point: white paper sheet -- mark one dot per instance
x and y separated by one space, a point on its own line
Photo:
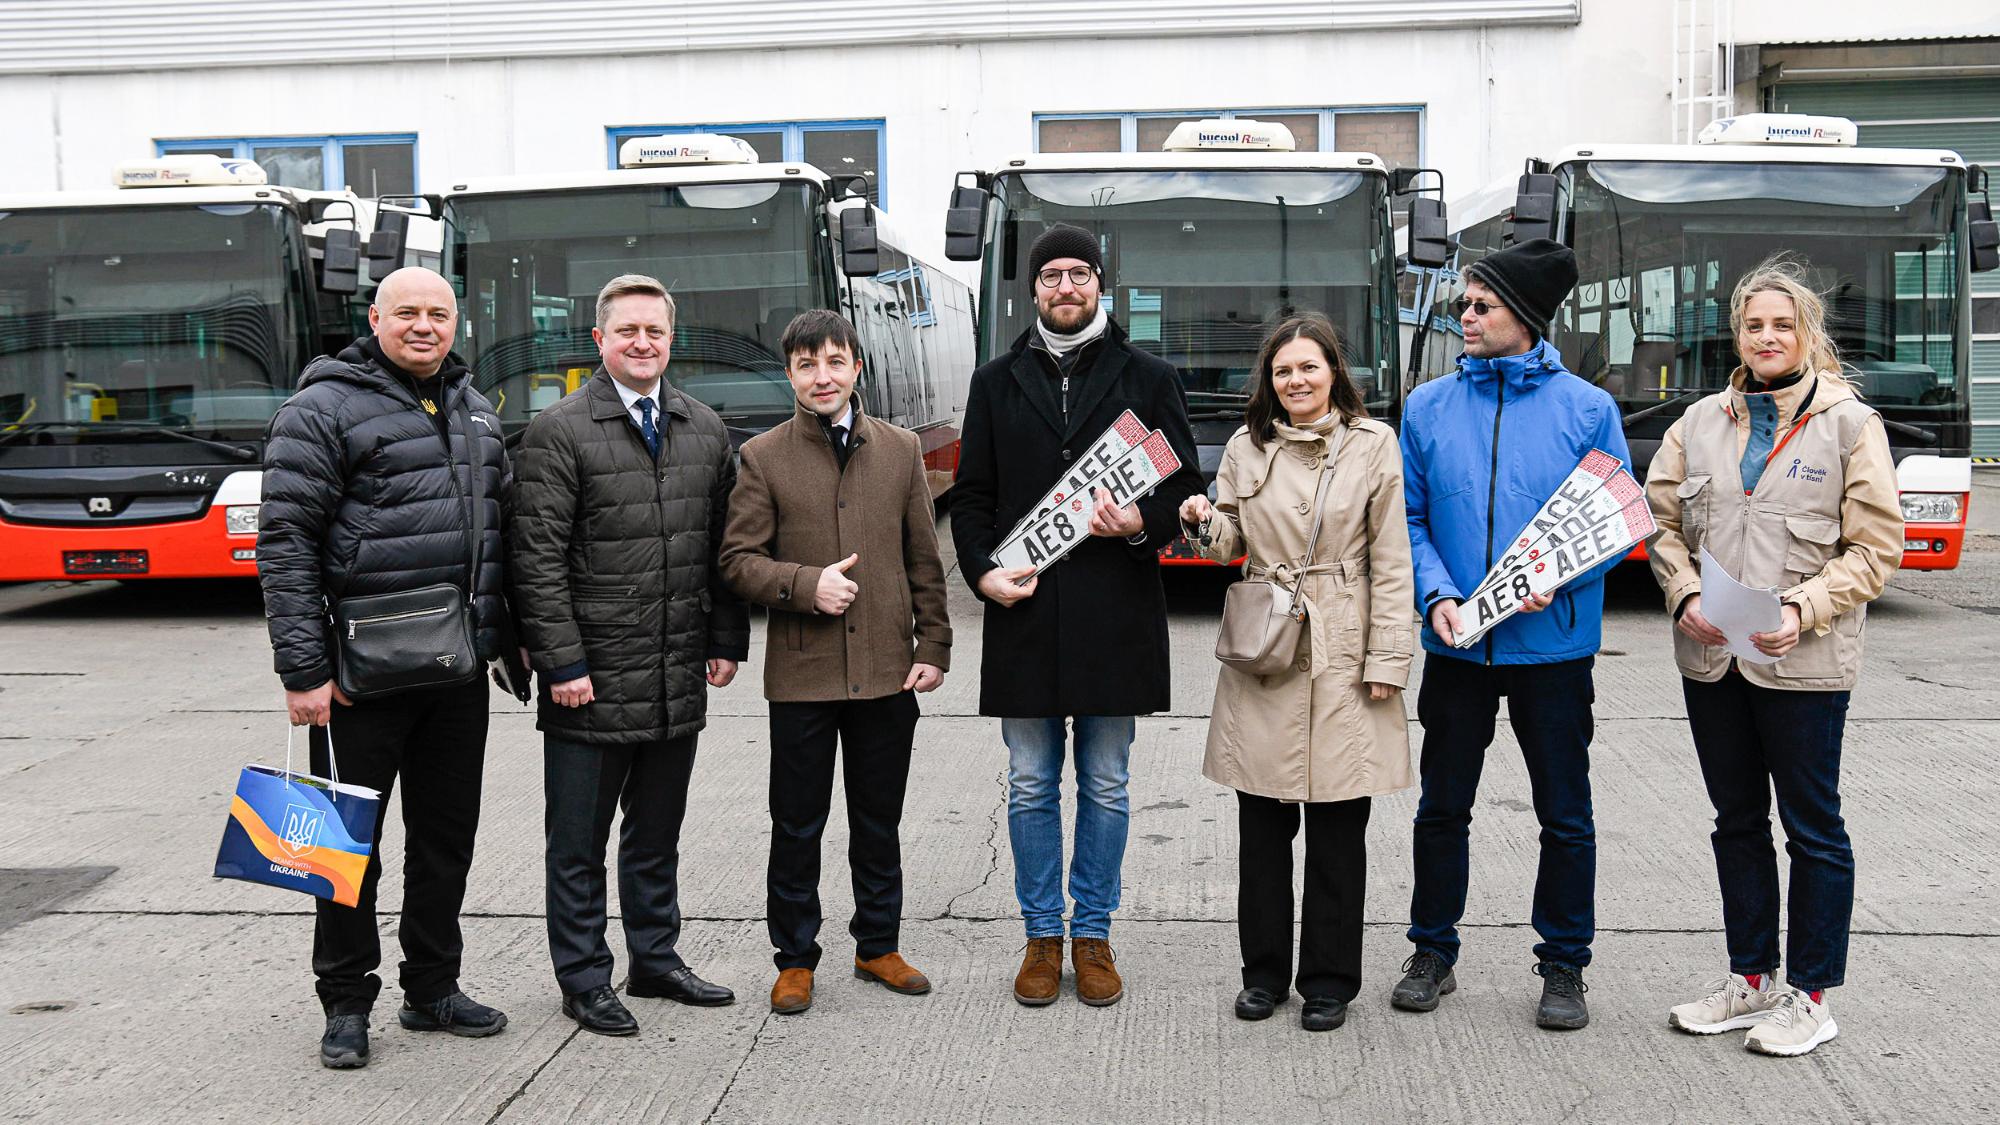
1737 610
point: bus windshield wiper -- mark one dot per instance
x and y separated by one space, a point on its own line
21 429
1904 428
1648 412
1216 404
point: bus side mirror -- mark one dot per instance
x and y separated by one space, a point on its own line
1984 234
860 252
1430 240
340 266
385 245
850 186
965 224
1534 209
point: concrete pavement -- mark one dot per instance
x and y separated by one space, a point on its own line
134 987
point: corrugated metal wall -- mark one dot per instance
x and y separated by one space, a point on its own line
39 36
1961 114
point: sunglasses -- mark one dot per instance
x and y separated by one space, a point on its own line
1483 308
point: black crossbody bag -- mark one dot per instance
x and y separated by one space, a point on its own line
423 638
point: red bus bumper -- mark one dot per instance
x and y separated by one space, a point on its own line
185 549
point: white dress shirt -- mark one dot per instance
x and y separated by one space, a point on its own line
631 399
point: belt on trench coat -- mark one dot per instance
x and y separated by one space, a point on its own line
1318 627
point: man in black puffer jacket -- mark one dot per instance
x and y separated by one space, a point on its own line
623 497
368 490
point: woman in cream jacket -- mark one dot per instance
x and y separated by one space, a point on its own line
1786 480
1326 735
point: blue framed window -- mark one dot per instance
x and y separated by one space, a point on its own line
834 147
372 164
1395 133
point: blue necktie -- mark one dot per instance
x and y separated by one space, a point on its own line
647 429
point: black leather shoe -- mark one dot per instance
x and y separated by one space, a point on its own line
345 1044
1323 1013
1255 1003
457 1013
599 1011
1427 978
1562 1007
681 986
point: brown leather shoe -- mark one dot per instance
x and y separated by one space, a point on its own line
1097 981
894 973
1040 979
793 992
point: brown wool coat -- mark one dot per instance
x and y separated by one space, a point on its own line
1310 733
794 513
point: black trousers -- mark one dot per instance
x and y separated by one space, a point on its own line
584 785
435 743
875 737
1336 891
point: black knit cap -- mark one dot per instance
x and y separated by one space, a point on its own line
1064 241
1531 278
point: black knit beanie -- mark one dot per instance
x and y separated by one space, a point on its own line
1530 278
1064 241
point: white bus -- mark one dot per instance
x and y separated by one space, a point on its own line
1662 233
1206 246
743 246
147 334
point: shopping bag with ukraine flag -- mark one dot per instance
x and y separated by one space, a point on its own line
300 832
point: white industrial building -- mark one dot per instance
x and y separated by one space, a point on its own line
393 98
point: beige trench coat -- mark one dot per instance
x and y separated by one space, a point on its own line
1310 733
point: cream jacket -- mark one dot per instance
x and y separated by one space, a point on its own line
1824 525
1311 733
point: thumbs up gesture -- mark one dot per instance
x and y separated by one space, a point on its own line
836 590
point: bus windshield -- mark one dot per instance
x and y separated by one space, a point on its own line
1661 245
741 260
120 319
1199 264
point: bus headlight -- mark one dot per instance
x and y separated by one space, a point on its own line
240 519
1931 507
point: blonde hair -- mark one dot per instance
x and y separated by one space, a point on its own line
629 284
1785 274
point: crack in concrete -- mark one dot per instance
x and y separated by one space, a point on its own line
996 819
500 1110
756 1040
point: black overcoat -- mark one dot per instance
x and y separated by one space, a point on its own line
1093 638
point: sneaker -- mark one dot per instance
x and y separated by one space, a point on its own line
1795 1025
1562 1007
345 1044
1427 978
1732 1003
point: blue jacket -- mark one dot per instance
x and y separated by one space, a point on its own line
1482 449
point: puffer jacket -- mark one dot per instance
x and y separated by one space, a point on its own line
363 496
1482 449
615 564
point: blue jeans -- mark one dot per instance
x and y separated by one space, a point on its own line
1752 740
1548 706
1034 819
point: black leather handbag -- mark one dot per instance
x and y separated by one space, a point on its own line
422 638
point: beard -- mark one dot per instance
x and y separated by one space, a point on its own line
1067 318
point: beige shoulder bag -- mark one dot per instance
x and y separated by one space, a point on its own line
1262 618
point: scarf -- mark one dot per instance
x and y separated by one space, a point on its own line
1061 343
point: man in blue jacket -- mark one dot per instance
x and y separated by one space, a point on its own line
1482 449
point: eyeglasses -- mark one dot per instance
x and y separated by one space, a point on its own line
1483 308
1079 276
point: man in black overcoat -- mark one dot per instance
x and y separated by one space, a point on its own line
1085 639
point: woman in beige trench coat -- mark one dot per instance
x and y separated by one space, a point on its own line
1328 734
